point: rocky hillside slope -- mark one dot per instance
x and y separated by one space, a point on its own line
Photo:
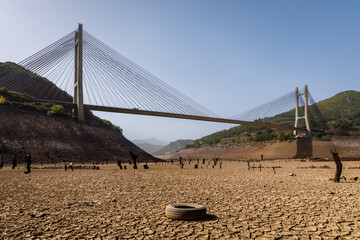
338 115
16 78
347 147
27 128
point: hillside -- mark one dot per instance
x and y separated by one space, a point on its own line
51 135
174 147
339 115
16 78
48 131
347 147
340 112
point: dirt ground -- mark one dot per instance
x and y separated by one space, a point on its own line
347 147
129 204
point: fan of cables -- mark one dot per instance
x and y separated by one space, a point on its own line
109 79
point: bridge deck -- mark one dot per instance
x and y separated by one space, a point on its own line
172 115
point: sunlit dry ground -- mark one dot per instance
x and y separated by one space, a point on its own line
112 203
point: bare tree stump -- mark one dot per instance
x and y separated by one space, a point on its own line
181 162
338 163
216 160
119 164
133 157
2 161
146 166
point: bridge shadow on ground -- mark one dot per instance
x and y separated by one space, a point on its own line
304 148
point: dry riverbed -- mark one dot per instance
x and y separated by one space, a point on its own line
129 204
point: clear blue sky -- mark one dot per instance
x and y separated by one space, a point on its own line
229 56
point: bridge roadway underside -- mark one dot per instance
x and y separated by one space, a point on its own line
172 115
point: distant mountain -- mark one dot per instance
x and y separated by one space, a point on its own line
149 148
338 115
174 146
152 141
150 145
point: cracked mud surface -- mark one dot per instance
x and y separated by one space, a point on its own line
129 204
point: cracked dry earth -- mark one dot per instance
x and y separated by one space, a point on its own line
129 204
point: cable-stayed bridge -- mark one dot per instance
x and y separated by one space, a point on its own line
93 76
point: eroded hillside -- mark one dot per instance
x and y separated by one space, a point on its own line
26 127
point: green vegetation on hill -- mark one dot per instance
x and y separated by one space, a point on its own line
338 115
241 134
341 111
29 83
27 102
10 72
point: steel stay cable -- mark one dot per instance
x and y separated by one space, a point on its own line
41 53
48 63
116 82
117 71
158 80
58 74
96 83
96 66
88 84
51 55
98 71
106 67
58 42
101 70
254 111
53 74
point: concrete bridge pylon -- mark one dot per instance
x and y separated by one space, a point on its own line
306 107
78 98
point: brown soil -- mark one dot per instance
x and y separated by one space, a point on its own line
129 204
55 139
348 148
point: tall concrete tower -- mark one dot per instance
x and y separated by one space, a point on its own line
78 80
305 117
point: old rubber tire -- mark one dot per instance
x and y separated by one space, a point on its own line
185 211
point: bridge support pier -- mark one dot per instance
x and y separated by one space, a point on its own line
305 117
78 80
